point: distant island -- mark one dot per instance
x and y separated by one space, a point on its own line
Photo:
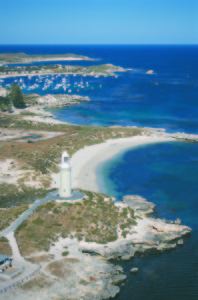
25 58
99 70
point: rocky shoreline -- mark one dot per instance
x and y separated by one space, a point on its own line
149 233
36 110
60 100
87 272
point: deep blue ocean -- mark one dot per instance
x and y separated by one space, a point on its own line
164 173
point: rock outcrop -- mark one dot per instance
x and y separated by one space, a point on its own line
49 101
140 205
149 233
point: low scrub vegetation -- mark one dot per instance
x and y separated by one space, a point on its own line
94 220
11 195
5 247
43 156
10 215
65 253
38 283
61 268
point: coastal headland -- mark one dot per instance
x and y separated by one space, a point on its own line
104 236
58 69
25 58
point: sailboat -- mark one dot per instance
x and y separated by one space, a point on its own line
82 86
68 82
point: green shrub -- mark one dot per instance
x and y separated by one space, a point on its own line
56 224
56 210
38 221
48 205
84 282
65 253
78 204
24 168
21 226
66 204
124 233
123 226
64 234
124 213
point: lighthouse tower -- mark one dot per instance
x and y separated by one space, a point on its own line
65 176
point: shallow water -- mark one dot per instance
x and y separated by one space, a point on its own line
32 137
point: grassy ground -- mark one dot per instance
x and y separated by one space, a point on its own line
45 152
38 283
96 219
9 215
4 246
11 195
30 99
42 258
60 268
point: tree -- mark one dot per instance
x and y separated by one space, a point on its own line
4 100
9 108
16 96
4 103
3 107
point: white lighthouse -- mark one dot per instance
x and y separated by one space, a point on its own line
65 176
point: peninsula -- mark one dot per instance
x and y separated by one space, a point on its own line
25 58
33 105
96 70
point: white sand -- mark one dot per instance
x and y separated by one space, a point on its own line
43 120
10 171
85 161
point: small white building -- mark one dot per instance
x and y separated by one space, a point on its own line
65 176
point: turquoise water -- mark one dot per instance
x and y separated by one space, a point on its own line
167 175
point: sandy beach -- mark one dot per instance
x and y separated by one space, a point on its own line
85 161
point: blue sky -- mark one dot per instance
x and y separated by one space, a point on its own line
98 21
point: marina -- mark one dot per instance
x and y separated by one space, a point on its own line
52 84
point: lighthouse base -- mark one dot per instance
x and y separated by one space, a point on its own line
75 196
